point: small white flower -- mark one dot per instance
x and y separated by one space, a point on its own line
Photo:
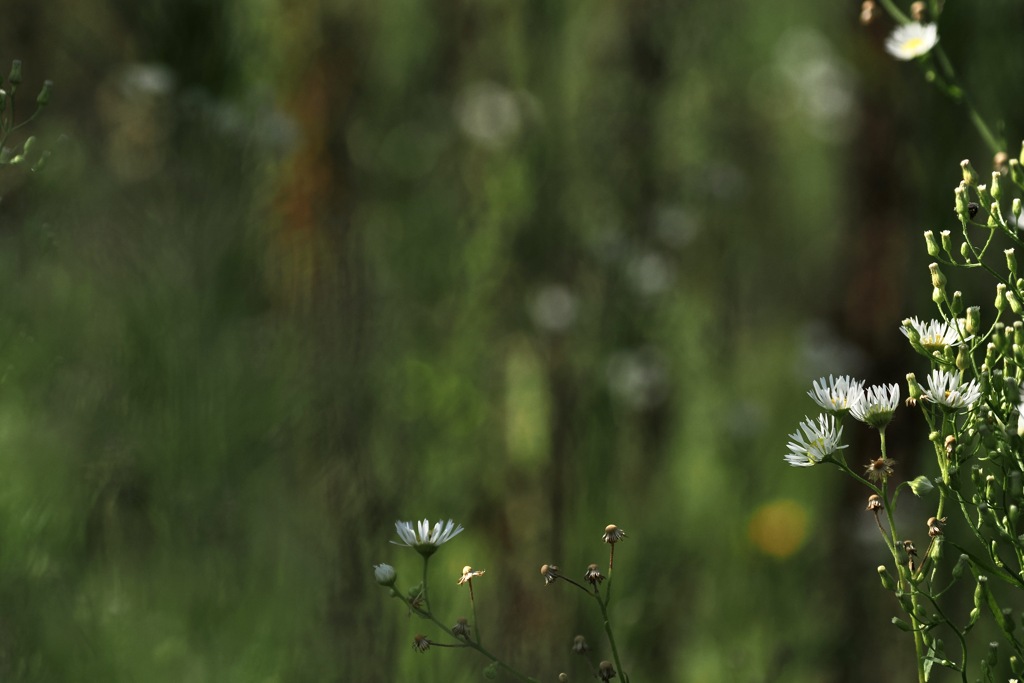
877 405
814 441
837 395
425 540
935 335
948 390
912 40
384 574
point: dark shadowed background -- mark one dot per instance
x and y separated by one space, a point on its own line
300 269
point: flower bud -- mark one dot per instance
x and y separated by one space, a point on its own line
960 202
1016 208
919 11
956 304
1000 297
965 252
902 625
995 216
973 323
15 76
938 295
1011 261
384 574
1014 302
43 98
970 175
3 99
938 279
947 243
995 188
887 581
961 564
930 243
914 390
921 486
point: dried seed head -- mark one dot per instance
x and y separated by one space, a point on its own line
549 572
593 575
613 534
880 469
420 643
874 502
579 645
919 11
605 670
935 526
908 547
563 678
461 628
1001 162
468 574
868 12
950 444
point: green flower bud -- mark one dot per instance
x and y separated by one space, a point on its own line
3 99
996 188
1014 302
993 654
15 77
938 295
947 243
963 360
30 143
1000 297
1011 261
1015 207
921 486
938 279
887 581
960 202
44 95
980 590
973 323
930 243
914 390
1016 172
970 175
902 625
995 216
384 574
1021 159
956 304
961 564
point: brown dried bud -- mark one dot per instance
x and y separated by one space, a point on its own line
919 11
874 502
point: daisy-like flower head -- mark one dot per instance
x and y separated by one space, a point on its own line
934 335
424 539
949 391
468 574
837 394
814 441
877 405
912 40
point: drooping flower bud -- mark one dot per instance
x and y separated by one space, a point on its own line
15 76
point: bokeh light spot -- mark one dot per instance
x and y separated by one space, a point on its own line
778 528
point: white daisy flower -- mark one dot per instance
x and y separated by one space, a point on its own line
948 390
424 539
837 395
877 405
912 40
935 335
814 441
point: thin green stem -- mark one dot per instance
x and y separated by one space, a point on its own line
611 638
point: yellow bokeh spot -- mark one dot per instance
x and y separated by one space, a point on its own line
778 528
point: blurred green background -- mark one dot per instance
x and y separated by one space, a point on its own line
300 269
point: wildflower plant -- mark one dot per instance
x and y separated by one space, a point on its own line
426 539
25 152
969 548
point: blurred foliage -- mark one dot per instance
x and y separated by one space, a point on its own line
303 269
